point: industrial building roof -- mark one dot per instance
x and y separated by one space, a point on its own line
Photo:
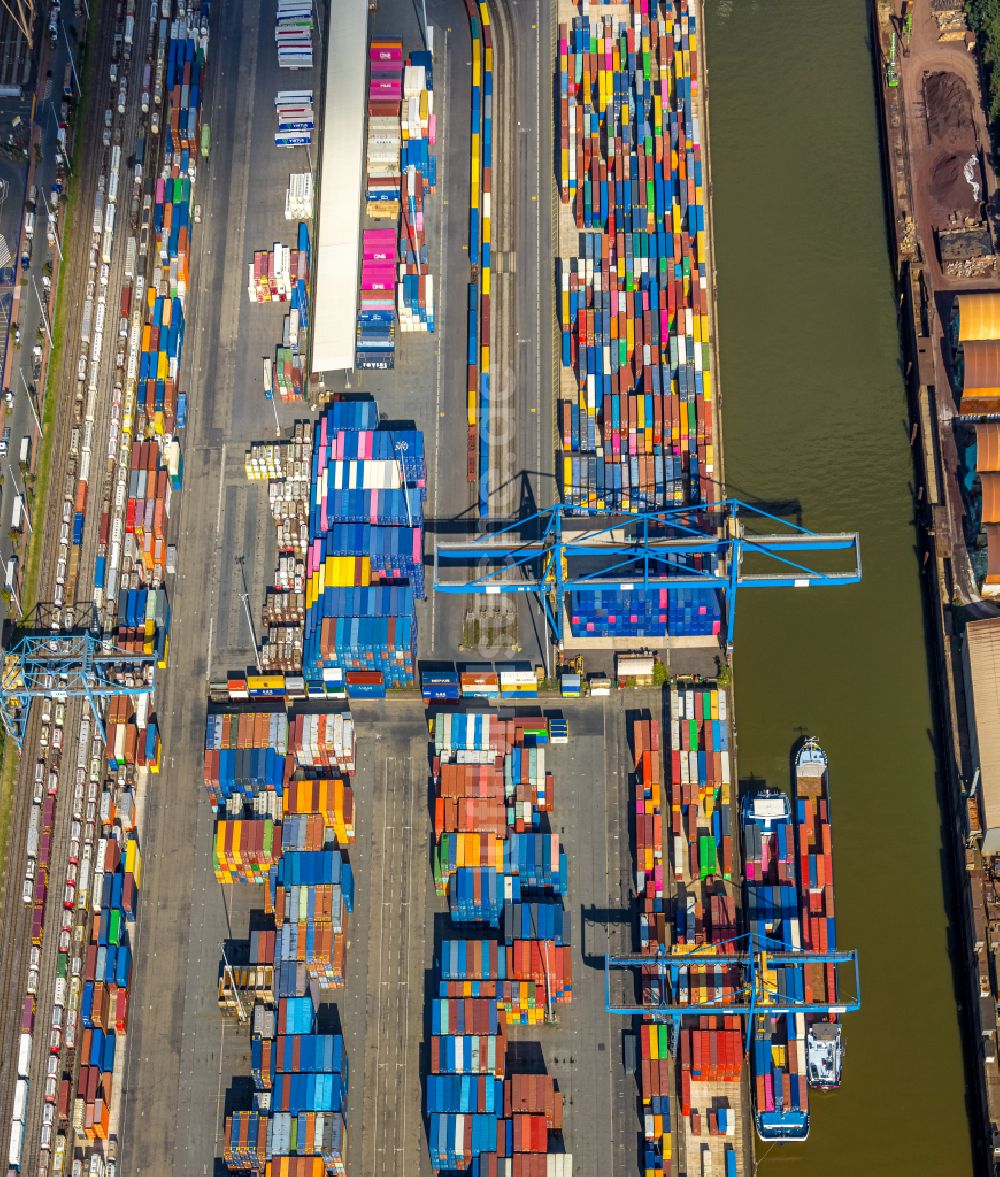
990 484
981 367
340 190
982 643
988 447
978 317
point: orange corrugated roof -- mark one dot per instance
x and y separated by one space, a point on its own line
988 448
981 368
990 483
978 317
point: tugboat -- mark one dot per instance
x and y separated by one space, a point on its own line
824 1038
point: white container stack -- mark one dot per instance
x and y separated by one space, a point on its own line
293 34
382 166
294 109
299 200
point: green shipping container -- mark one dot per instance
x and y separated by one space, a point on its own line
115 927
706 855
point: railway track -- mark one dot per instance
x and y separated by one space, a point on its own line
74 277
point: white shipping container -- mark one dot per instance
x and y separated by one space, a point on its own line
24 1056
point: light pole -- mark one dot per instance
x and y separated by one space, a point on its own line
54 223
245 598
31 402
41 308
401 447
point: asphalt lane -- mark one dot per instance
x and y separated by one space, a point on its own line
187 1065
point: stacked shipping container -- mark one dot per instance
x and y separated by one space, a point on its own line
480 237
702 860
294 109
778 1056
376 329
293 34
415 288
491 783
634 303
360 628
654 1071
300 1074
107 975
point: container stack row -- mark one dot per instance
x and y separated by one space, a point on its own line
653 1065
184 68
299 1068
154 473
275 274
293 31
159 361
361 629
634 298
384 135
701 843
415 288
296 121
376 329
107 976
480 237
701 802
490 780
132 734
134 553
299 198
656 612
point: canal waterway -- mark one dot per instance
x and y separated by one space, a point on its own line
815 414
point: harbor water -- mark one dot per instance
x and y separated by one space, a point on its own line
815 415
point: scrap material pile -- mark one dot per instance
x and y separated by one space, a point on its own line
280 788
501 869
634 299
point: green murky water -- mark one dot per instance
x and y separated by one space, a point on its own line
814 412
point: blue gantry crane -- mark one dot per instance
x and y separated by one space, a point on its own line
68 665
722 546
748 960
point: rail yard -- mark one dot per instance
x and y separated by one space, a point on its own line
377 810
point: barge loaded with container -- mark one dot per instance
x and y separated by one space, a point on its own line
824 1040
777 1054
